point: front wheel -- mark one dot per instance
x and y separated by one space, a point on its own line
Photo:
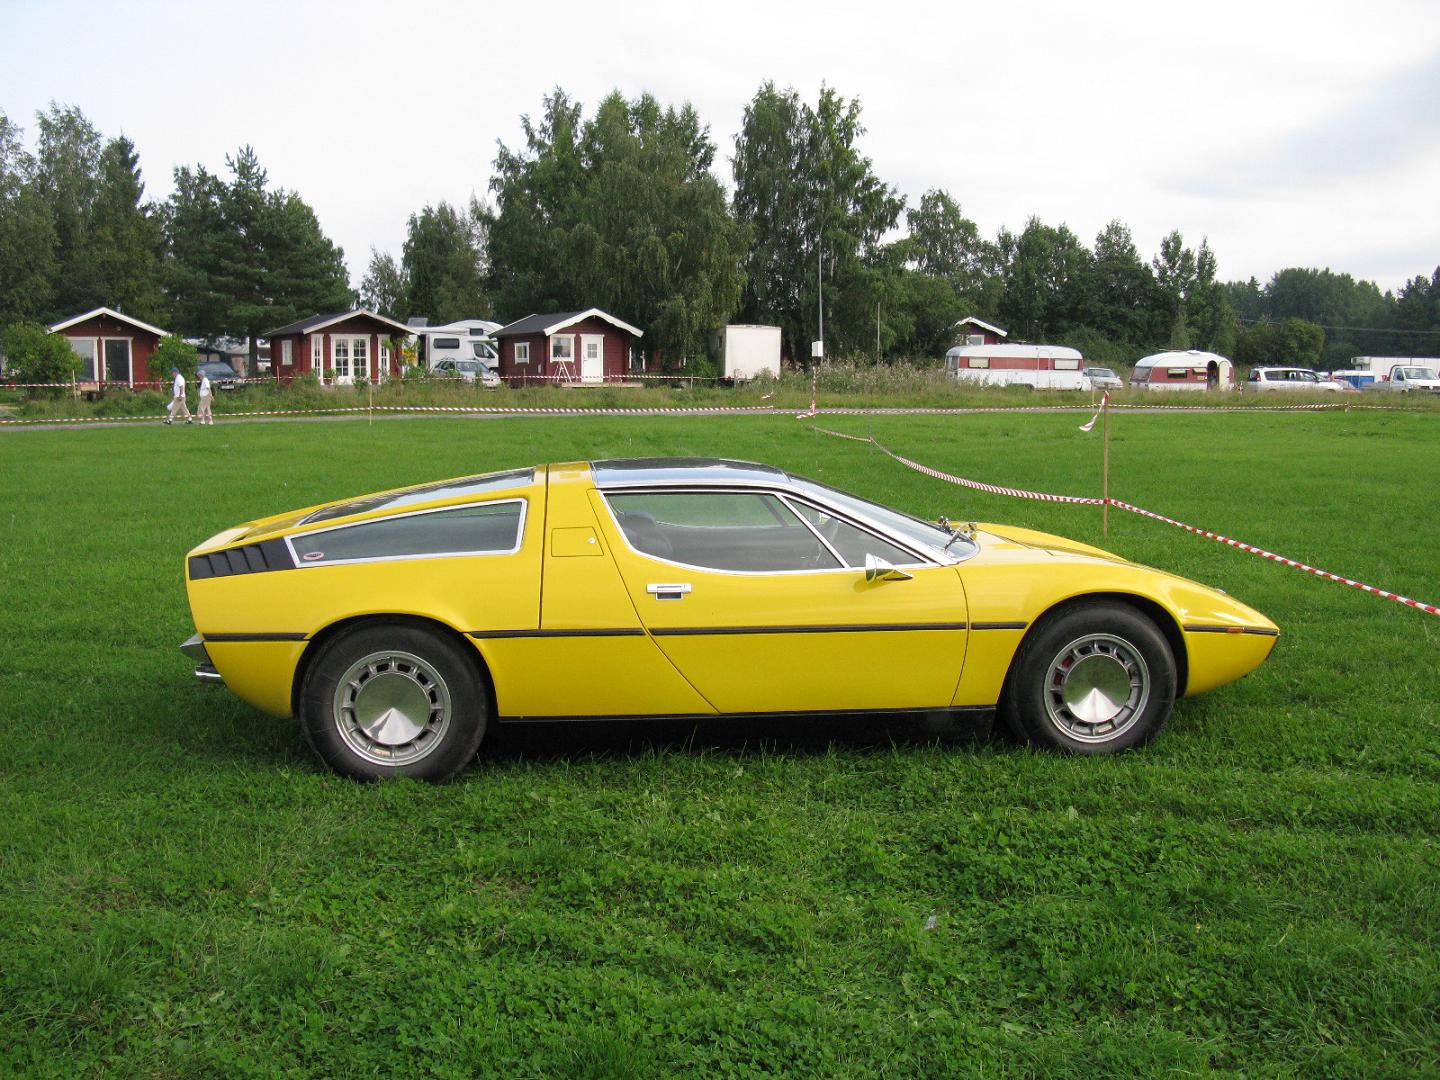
1095 679
393 700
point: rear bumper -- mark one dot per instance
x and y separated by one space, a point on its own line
194 647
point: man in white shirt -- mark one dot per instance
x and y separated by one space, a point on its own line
203 413
177 399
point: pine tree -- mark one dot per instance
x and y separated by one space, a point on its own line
243 259
125 236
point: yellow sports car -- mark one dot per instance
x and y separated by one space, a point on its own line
399 626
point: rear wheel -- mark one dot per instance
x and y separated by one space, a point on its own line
388 700
1093 680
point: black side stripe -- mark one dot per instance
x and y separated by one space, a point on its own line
254 637
1261 631
861 628
626 631
998 626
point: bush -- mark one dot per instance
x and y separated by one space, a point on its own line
173 352
131 403
1098 348
37 356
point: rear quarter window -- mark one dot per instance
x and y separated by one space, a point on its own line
484 529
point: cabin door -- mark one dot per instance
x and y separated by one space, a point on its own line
592 358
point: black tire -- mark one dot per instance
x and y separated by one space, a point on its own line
387 700
1069 676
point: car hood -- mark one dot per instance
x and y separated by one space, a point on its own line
997 538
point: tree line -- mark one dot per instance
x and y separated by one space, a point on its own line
622 210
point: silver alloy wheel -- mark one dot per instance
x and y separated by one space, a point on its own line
392 707
1096 688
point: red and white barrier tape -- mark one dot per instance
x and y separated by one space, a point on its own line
487 410
644 410
1419 605
995 489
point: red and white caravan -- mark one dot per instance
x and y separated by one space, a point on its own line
1040 367
1189 370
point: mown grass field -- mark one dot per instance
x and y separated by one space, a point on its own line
183 893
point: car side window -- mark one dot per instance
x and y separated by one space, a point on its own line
853 543
743 531
485 529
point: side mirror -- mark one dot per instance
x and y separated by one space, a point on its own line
880 570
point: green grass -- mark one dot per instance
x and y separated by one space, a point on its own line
183 893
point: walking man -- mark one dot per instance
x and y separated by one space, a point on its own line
203 413
177 399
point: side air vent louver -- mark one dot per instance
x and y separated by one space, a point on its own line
246 559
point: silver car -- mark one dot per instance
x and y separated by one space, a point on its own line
469 370
1103 378
1292 379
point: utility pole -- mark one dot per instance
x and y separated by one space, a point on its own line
820 292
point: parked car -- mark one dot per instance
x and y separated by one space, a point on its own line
1103 378
469 370
222 375
399 626
1355 378
1294 380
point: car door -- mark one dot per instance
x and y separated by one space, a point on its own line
761 602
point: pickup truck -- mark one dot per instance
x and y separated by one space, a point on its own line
1408 377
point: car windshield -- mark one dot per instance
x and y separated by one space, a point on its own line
927 536
1417 373
1100 373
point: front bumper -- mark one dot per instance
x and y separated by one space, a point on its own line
194 647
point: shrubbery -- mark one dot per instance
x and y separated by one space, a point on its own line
173 352
35 355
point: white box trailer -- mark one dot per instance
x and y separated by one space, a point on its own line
748 351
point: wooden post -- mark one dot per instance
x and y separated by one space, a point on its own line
1105 480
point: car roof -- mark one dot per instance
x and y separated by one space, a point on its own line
623 472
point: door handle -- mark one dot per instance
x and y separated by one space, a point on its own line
669 591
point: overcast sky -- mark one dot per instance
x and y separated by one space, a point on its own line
1289 133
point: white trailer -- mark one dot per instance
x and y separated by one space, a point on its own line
1039 367
749 351
1192 369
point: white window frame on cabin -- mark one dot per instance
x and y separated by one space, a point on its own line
287 351
522 352
89 364
317 352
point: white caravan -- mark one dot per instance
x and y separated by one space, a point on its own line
1039 367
